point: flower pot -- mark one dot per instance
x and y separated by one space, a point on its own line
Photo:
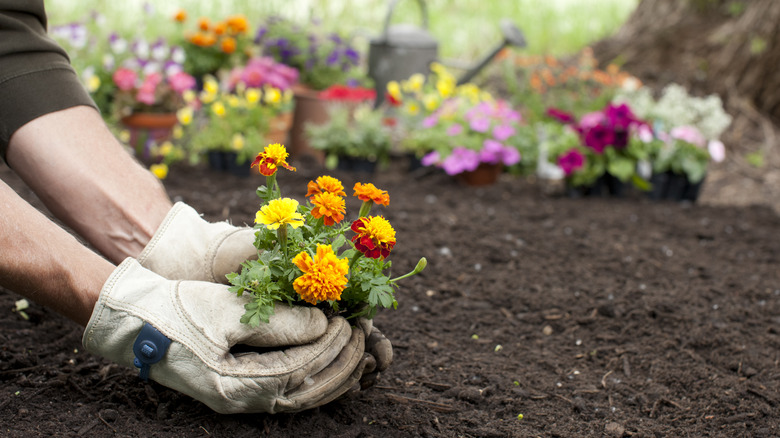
148 128
352 164
279 128
485 174
225 161
309 108
605 186
674 187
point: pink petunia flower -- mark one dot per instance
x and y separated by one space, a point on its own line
124 78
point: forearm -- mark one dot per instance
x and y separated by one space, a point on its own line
80 171
44 263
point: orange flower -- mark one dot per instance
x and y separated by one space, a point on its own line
329 207
367 192
325 183
228 45
220 28
238 24
273 156
203 23
181 16
324 277
375 236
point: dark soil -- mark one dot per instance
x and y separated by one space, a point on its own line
590 317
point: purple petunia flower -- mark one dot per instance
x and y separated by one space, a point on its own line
503 131
599 137
560 115
571 161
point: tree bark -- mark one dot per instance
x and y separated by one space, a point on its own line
711 46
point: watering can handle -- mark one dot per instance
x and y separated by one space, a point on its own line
390 10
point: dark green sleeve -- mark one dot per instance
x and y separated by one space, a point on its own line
36 77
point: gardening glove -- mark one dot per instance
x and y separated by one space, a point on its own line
307 361
187 247
380 348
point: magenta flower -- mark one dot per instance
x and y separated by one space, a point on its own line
461 160
599 137
492 152
124 78
454 129
571 161
430 159
430 121
146 92
560 115
479 124
511 156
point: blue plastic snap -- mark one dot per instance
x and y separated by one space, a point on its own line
149 348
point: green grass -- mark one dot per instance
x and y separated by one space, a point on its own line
465 29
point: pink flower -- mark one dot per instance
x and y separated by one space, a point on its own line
181 82
689 134
492 151
430 159
146 92
717 150
454 129
560 115
511 156
461 160
571 161
430 121
124 78
503 131
645 133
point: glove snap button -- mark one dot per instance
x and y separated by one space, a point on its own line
148 349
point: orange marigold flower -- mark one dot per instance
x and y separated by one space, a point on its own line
367 192
273 156
324 277
228 45
238 24
180 16
220 28
375 236
329 207
203 23
325 183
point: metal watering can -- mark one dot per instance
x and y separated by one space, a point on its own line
404 49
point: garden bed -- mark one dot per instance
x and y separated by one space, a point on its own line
590 317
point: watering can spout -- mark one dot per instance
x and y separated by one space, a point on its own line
512 37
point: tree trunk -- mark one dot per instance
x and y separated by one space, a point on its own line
727 47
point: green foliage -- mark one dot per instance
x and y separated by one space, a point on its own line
352 130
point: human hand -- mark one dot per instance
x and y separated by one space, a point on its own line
308 359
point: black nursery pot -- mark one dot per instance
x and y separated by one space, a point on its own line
669 186
226 162
352 164
605 186
217 160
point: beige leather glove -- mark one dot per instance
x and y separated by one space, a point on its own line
309 360
187 247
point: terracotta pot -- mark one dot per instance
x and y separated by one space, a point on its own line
146 128
485 174
309 108
279 128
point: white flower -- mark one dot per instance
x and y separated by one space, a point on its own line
717 150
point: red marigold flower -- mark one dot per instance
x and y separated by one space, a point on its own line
273 156
375 236
329 207
367 192
327 184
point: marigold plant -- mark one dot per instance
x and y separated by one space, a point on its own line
308 254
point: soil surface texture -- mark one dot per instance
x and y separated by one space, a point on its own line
538 315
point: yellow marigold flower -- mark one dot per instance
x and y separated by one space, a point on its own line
416 82
273 156
93 83
394 90
237 142
329 207
375 236
211 85
185 115
233 101
166 148
445 87
189 96
253 95
219 109
124 136
325 183
438 68
272 95
159 170
412 108
324 277
279 212
178 132
431 102
368 192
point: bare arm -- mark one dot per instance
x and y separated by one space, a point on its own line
84 177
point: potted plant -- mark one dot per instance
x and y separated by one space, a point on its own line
461 129
686 131
231 127
323 59
600 152
354 138
214 45
308 254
